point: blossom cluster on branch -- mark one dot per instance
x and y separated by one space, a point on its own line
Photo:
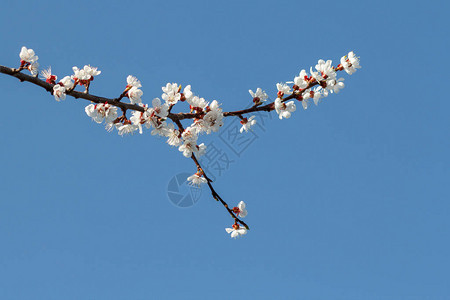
206 117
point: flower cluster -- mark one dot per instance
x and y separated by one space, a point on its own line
59 89
101 112
237 230
83 76
132 90
206 117
350 63
28 60
152 117
171 93
323 75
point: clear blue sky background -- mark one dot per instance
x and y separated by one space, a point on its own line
348 200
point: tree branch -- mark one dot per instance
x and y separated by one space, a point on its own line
208 181
176 118
49 88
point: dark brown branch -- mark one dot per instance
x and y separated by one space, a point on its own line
49 88
116 101
216 195
208 181
268 107
23 77
176 118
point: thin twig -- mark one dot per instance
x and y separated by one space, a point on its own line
215 195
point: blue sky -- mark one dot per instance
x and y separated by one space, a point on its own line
347 200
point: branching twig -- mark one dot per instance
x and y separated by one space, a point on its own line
78 95
209 182
196 114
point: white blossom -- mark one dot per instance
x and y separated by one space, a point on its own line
109 112
320 92
314 94
213 118
171 93
189 142
28 55
110 126
190 133
92 71
199 126
259 96
48 76
334 86
188 147
161 110
201 149
240 210
316 75
137 119
133 81
153 121
350 63
147 118
127 128
243 210
150 119
283 89
160 129
354 60
135 94
302 80
196 101
247 124
236 231
338 85
87 73
67 82
59 92
101 111
34 68
197 179
188 93
173 135
59 89
79 74
324 71
91 111
284 110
